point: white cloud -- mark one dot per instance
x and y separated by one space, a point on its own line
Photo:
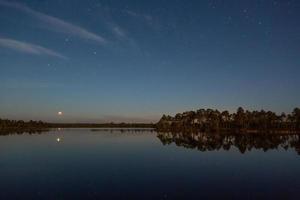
142 16
56 24
119 32
28 48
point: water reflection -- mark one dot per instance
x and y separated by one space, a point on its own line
127 164
123 130
104 130
200 141
21 132
244 143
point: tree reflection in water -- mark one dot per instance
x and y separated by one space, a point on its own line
23 131
244 142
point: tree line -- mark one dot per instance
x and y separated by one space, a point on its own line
6 124
10 126
209 120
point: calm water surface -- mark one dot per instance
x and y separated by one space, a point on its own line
85 164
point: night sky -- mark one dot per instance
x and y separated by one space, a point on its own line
132 61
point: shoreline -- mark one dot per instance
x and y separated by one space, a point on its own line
186 131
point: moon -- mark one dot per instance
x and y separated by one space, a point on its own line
60 113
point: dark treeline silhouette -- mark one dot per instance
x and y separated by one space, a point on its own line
209 120
243 142
9 126
203 120
19 126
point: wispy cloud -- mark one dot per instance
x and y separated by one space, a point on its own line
118 31
28 48
138 15
56 24
123 37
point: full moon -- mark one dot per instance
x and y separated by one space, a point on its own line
60 113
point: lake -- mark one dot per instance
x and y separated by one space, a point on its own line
144 164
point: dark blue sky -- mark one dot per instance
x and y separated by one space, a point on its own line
134 60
